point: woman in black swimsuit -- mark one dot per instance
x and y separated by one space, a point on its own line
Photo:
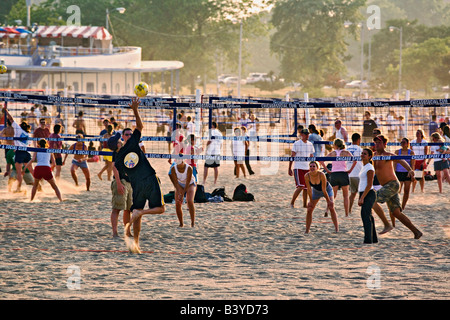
317 187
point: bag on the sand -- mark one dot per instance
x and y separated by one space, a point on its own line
169 197
221 192
240 194
200 195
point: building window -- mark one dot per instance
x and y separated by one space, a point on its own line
90 87
104 88
75 86
117 88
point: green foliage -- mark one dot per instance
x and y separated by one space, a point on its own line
424 64
423 55
310 37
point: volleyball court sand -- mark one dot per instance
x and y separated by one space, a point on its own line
238 250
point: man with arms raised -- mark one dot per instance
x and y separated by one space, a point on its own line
384 170
131 160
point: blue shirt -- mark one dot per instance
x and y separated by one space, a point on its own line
317 147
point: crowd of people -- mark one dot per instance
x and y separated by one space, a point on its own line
376 181
134 181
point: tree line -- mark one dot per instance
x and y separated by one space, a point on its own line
308 37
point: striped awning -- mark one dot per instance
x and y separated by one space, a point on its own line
99 33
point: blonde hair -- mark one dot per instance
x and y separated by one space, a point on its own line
316 163
437 136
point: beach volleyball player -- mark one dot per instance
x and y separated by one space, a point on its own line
131 160
301 148
384 169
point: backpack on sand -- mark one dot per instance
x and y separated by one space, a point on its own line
240 194
221 192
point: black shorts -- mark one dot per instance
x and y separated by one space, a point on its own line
58 160
22 156
440 165
340 179
212 163
402 176
147 189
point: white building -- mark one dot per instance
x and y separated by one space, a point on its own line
79 59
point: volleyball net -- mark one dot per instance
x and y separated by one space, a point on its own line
271 125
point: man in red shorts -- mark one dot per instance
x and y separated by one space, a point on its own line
301 148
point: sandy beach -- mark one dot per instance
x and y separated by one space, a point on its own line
238 250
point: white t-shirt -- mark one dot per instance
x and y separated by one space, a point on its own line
251 125
43 159
238 148
302 149
363 177
355 150
418 150
190 128
434 150
215 147
19 132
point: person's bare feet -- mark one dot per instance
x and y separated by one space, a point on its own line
386 229
418 234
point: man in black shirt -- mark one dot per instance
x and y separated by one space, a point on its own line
146 185
368 126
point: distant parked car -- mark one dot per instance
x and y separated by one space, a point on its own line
222 77
257 76
356 84
233 80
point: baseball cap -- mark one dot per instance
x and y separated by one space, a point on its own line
304 131
381 137
112 142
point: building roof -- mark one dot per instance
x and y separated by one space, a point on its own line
145 66
99 33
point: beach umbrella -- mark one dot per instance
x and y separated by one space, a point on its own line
10 30
23 30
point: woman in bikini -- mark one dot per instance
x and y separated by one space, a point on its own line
318 187
79 161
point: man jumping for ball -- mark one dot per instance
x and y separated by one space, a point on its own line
131 160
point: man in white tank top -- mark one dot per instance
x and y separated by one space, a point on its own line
339 131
